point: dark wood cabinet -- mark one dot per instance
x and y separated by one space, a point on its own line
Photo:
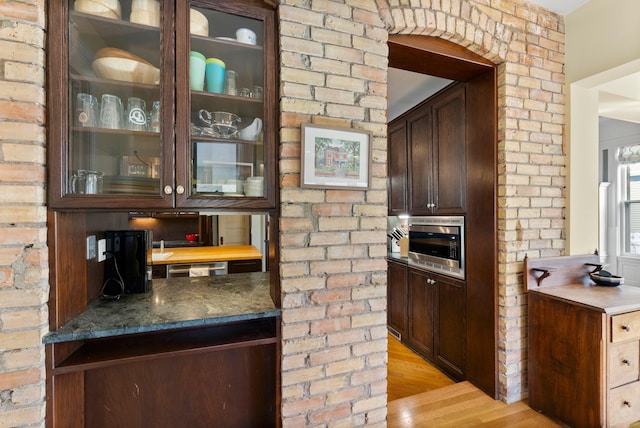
450 326
182 377
179 159
397 167
420 162
435 316
427 158
397 295
241 266
448 159
584 344
422 307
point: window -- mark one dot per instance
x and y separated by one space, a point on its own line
631 209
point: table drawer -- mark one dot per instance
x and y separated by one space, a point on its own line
624 405
624 359
625 327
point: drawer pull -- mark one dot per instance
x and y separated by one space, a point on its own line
625 327
626 403
625 361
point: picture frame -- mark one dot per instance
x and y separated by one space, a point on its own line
335 158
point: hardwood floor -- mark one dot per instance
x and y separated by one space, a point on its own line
420 395
409 374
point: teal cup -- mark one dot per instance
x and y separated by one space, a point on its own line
215 75
196 71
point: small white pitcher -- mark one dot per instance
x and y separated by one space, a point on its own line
252 131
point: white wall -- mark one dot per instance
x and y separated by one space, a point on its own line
601 35
602 44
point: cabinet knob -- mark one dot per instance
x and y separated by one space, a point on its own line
627 403
625 327
625 361
179 190
168 190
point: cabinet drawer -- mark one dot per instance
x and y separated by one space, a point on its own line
624 359
624 405
625 327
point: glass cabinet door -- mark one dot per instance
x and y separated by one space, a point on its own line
225 78
116 110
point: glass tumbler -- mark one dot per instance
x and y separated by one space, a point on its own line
86 110
231 82
111 112
136 114
154 123
257 92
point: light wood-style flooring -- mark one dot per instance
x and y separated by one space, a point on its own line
421 396
409 374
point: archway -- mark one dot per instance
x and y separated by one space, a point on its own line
441 58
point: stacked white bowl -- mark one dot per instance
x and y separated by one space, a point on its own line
106 8
145 12
254 186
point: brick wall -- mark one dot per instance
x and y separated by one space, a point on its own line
23 252
333 314
334 59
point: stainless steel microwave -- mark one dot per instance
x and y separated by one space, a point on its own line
436 243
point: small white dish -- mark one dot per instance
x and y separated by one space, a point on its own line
246 36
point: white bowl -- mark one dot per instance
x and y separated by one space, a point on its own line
148 5
116 64
105 8
145 17
198 23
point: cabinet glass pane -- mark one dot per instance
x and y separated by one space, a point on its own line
114 92
226 79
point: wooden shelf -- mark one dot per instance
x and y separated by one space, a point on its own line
117 350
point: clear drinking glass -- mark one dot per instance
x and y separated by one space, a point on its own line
231 83
136 114
111 112
86 110
154 124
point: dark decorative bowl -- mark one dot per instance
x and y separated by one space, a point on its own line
606 280
192 237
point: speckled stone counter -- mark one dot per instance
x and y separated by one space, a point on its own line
395 257
174 303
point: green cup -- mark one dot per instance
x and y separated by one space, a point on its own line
196 71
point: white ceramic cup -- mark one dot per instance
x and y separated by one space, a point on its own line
244 35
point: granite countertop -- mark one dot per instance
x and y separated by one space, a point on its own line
174 303
396 257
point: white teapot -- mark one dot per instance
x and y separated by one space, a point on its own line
252 131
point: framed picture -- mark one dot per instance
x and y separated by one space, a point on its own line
335 158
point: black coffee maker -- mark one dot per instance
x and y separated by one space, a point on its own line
125 270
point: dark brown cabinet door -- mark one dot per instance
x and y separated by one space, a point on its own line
448 151
225 134
427 156
397 164
450 326
421 312
420 164
397 293
125 140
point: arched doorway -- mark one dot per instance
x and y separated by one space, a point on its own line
441 58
